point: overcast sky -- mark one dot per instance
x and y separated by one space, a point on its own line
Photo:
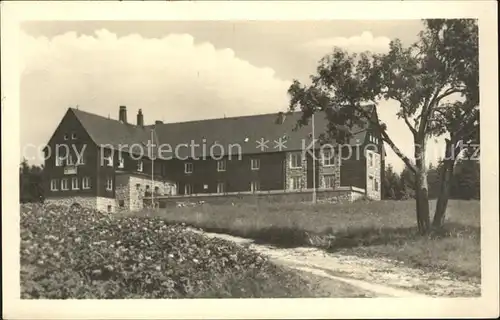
177 71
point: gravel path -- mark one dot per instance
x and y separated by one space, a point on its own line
382 277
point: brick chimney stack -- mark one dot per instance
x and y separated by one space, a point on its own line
122 116
140 118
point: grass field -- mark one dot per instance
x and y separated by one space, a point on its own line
382 228
94 256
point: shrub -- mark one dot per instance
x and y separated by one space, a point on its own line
93 255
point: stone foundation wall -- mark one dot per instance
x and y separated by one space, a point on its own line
106 204
333 169
95 203
342 194
130 190
357 195
86 202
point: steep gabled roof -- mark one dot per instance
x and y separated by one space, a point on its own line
234 134
105 131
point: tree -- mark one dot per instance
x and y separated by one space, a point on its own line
466 180
30 182
441 64
406 184
390 184
434 179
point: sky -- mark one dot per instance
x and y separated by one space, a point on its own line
180 71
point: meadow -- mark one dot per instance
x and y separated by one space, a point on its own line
153 254
374 229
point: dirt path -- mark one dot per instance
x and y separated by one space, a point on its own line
382 277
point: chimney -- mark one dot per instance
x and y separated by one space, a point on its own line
158 122
122 116
140 118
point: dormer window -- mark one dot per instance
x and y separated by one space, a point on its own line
66 137
139 166
73 135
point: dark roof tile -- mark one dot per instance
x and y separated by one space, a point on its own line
235 134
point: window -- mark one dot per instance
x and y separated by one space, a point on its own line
53 185
327 158
121 162
59 161
188 167
221 165
221 187
138 186
329 181
139 166
376 185
296 183
371 183
86 183
109 184
255 164
254 186
370 159
80 159
110 208
64 184
157 190
74 183
187 189
121 203
73 135
296 160
66 136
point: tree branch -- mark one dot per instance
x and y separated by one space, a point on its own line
448 92
396 150
405 117
387 139
467 125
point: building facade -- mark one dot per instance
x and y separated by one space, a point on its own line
113 165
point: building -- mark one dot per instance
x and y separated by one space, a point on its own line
111 164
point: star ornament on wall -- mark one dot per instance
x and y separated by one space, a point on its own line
262 144
280 144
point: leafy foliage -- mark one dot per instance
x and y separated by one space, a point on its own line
442 65
88 255
465 182
31 183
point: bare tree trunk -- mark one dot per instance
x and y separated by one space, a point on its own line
446 174
422 190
